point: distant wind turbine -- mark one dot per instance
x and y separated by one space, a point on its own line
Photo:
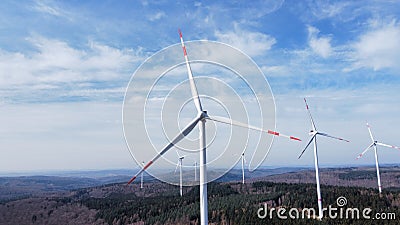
200 119
374 144
313 133
179 164
141 178
243 163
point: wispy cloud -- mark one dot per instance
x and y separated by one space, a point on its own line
258 8
320 45
46 8
156 16
55 63
52 8
327 9
379 47
252 43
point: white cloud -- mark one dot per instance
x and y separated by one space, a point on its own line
55 62
53 9
252 43
379 47
257 8
326 9
157 16
45 8
320 45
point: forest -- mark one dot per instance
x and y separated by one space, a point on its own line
237 203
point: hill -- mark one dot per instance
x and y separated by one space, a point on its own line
230 202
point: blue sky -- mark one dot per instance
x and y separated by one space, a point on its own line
64 67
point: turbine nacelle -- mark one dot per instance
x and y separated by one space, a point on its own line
203 115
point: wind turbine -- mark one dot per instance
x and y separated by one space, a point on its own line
374 144
313 133
200 119
179 164
243 159
141 178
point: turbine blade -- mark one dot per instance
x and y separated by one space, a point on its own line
177 165
309 114
240 124
337 138
370 133
193 88
386 145
178 153
308 144
178 138
362 153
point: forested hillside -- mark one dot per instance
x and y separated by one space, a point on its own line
235 203
229 202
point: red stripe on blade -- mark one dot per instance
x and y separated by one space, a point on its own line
273 132
147 165
184 51
295 138
131 180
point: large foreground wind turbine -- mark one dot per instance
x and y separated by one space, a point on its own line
313 133
200 119
374 144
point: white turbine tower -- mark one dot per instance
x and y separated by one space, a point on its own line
374 144
313 133
179 164
141 178
243 163
200 119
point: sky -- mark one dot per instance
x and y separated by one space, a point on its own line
65 66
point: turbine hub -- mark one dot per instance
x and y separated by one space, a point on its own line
203 114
